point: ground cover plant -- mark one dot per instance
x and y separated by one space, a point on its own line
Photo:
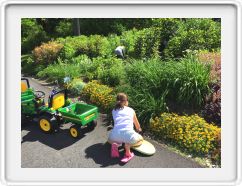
190 132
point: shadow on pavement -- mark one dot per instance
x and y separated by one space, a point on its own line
100 153
58 140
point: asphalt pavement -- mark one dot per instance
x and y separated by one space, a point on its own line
60 150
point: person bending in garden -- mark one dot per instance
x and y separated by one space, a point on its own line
123 132
120 52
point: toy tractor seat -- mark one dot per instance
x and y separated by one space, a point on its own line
24 84
57 100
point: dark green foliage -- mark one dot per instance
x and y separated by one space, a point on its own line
106 26
147 43
194 34
112 76
168 28
64 28
28 67
109 70
32 34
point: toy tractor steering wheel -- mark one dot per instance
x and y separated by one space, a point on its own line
39 94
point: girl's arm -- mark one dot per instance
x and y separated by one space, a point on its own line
136 123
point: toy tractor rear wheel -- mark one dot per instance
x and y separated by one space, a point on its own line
48 124
91 126
75 131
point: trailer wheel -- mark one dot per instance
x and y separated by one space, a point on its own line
48 124
92 125
75 131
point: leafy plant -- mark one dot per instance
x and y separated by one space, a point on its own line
191 81
64 28
186 81
194 34
112 74
59 71
32 34
212 109
47 53
192 133
76 86
147 43
147 106
28 66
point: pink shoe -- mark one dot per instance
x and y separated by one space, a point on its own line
114 151
126 158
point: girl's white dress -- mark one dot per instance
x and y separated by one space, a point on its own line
123 131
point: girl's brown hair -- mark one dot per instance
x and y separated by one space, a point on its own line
120 101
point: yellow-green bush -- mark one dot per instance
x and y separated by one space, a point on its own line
190 132
99 95
76 86
47 53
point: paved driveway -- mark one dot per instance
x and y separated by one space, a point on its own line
60 150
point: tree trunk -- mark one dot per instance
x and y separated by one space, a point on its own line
76 27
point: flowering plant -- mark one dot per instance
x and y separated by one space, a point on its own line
190 132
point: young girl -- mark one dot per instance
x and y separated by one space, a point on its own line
123 132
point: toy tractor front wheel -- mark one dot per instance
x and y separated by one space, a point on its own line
48 124
75 131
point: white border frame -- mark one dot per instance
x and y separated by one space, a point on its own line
235 3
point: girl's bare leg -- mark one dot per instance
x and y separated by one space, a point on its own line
127 149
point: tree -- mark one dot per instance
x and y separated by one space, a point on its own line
76 27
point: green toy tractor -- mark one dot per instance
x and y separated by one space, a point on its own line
59 110
31 101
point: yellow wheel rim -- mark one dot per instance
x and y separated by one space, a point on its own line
73 132
45 125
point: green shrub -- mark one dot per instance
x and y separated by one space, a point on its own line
99 67
98 46
64 28
191 133
106 26
129 39
112 76
194 34
47 53
147 43
76 86
28 66
72 45
59 71
168 28
32 34
113 42
92 46
146 76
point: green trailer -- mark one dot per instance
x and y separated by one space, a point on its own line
79 114
59 110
